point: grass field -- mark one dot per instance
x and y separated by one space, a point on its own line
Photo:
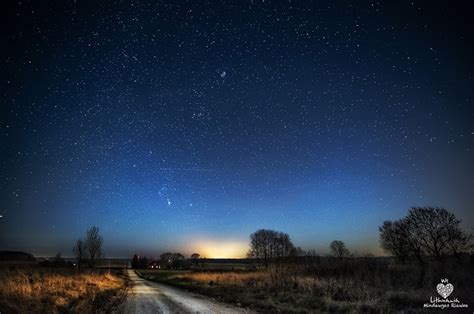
59 290
353 285
223 266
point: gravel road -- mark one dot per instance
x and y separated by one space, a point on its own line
152 297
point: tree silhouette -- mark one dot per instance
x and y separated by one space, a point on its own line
425 231
80 252
267 245
135 262
93 243
171 260
143 262
394 238
338 249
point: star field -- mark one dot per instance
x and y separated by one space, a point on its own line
163 123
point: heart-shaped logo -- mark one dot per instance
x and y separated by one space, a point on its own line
444 290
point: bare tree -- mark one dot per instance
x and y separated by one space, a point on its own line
394 238
80 252
267 245
425 231
93 244
338 249
436 231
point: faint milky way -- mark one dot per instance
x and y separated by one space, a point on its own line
164 122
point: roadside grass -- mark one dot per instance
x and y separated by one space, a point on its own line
59 290
222 266
342 286
160 275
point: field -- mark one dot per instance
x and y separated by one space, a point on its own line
368 285
33 289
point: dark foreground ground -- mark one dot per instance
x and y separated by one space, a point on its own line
363 285
304 285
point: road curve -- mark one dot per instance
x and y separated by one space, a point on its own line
152 297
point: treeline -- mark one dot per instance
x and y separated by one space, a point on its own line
425 233
167 260
268 246
16 256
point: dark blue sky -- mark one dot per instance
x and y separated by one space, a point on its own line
188 126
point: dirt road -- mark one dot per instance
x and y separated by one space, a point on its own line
152 297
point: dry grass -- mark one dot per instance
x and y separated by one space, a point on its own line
221 278
52 290
327 285
287 289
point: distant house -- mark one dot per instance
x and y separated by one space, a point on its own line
154 265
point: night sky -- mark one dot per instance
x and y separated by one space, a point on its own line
187 126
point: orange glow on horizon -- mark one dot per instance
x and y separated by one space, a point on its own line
219 249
